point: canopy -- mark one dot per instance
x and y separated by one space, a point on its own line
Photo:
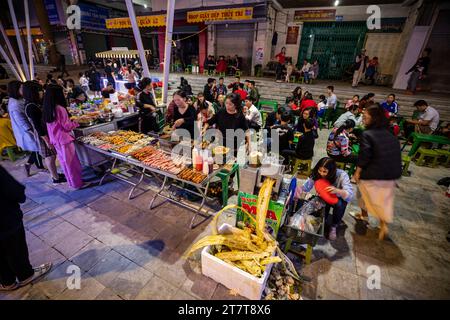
120 54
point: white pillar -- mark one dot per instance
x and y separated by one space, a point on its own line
8 61
18 68
29 41
137 37
19 40
168 50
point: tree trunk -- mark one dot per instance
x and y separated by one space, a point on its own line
46 28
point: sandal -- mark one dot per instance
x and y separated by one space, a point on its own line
359 216
38 273
9 288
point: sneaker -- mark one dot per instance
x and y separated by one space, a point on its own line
332 234
39 272
9 288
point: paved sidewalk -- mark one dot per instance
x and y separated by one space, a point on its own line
126 251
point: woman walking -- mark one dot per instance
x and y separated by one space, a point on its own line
33 94
59 129
23 130
379 166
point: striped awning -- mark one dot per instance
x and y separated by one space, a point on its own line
111 54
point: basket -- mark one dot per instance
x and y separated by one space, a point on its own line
304 237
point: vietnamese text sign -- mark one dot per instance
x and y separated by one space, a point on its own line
220 14
315 15
143 21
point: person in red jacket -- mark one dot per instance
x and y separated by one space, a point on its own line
241 92
221 65
308 102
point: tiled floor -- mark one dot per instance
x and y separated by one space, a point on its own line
126 251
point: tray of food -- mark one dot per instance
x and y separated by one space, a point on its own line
192 175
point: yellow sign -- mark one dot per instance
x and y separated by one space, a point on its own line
220 14
34 32
142 21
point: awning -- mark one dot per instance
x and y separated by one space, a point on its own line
110 54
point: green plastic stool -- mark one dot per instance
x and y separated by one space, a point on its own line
340 165
406 160
225 178
10 153
205 72
237 73
445 154
299 166
423 153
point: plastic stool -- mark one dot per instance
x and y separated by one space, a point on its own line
9 152
222 74
298 163
426 153
443 154
225 177
340 165
406 160
237 73
205 72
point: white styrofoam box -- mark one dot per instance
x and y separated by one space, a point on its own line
232 277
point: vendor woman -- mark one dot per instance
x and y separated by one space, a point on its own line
146 104
340 186
230 118
183 114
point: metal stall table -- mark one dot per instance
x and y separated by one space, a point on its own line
142 170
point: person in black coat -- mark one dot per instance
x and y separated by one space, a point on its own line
15 267
379 165
273 119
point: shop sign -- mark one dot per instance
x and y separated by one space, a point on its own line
390 25
52 11
273 217
142 21
292 34
93 17
259 55
220 14
34 32
315 15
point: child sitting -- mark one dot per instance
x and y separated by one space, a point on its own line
322 106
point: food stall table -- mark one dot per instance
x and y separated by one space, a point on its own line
140 171
119 173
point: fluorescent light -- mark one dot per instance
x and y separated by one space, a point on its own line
336 3
145 6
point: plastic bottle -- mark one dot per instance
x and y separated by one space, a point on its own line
205 162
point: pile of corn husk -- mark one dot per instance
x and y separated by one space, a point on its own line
243 249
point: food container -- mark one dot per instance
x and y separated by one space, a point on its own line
233 278
106 117
86 122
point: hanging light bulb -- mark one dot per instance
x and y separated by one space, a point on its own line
336 3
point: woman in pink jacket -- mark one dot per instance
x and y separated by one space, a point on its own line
60 128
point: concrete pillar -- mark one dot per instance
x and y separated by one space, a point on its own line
202 47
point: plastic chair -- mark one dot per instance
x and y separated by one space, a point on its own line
302 167
422 154
10 154
224 176
406 160
268 103
445 155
